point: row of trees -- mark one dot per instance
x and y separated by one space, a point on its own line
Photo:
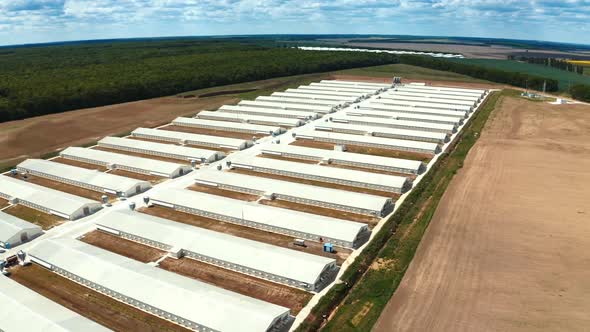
551 62
490 74
580 92
38 81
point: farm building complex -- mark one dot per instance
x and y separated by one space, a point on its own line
45 199
236 219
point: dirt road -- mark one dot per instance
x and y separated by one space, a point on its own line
508 247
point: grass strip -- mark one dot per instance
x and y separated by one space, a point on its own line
370 281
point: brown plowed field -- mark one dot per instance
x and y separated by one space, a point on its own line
123 247
316 183
213 132
223 192
45 220
144 177
3 203
100 308
289 297
372 221
246 232
509 245
79 164
365 150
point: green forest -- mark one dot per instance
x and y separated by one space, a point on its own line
50 79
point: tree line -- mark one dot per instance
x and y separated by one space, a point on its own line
551 62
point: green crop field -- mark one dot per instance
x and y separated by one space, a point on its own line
565 78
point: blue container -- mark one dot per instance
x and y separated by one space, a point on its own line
328 247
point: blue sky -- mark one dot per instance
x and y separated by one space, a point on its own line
32 21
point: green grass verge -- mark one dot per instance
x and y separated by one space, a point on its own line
409 72
362 296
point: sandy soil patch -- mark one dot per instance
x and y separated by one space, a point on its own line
123 247
45 220
223 192
268 291
508 247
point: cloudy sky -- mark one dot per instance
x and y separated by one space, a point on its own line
31 21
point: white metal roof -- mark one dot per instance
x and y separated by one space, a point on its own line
287 263
225 142
382 122
424 104
256 109
328 91
444 88
301 95
157 167
322 226
354 89
268 185
322 93
408 88
26 310
357 83
289 100
288 106
370 130
360 140
455 120
427 99
411 109
247 118
322 171
79 174
188 153
45 197
188 298
229 126
11 226
403 92
320 154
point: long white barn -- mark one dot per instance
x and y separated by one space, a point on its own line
318 90
297 192
281 265
392 123
409 134
454 120
188 138
301 101
185 301
15 231
307 96
161 149
84 178
428 99
27 310
357 83
354 89
254 119
228 126
413 110
423 104
46 200
411 93
292 223
370 141
346 158
324 93
266 111
349 177
128 163
289 106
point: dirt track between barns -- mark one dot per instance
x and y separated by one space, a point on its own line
509 245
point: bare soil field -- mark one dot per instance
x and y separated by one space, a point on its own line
3 203
265 290
316 183
36 136
365 150
509 245
45 220
372 221
142 155
100 308
223 192
212 132
246 232
79 164
67 188
144 177
123 247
